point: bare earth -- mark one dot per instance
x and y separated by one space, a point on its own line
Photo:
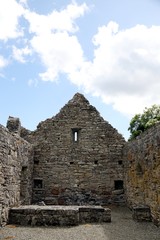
122 227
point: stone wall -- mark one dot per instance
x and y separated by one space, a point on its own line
143 171
78 157
15 172
36 215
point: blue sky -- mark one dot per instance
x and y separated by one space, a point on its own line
107 50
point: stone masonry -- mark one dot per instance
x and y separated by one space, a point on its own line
78 158
16 157
34 215
142 173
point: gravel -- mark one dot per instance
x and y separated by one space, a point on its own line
122 227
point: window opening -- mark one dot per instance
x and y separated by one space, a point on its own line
24 168
75 134
96 162
120 162
38 183
36 161
118 184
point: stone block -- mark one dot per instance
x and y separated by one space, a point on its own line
94 214
44 215
141 213
0 214
34 215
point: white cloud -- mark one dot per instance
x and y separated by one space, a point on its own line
54 42
3 62
60 53
125 70
52 36
10 11
23 2
63 20
20 54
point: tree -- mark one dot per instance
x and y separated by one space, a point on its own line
140 122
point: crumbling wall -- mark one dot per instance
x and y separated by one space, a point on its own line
15 172
14 125
143 171
78 157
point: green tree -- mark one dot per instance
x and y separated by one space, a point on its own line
140 122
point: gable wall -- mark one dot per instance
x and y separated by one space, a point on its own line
77 172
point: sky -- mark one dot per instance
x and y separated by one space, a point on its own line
107 50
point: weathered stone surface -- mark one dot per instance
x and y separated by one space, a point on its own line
141 213
77 158
142 171
14 125
0 214
77 171
15 172
94 214
58 215
44 216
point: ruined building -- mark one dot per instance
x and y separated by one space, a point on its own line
78 158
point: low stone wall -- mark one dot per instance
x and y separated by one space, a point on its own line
94 214
141 213
15 172
35 215
142 167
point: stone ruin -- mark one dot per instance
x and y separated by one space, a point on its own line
78 159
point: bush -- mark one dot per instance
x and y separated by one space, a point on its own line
140 122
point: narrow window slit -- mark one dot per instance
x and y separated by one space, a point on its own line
75 136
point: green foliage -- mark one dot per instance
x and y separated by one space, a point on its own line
140 122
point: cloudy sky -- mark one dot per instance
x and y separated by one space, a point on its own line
107 50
